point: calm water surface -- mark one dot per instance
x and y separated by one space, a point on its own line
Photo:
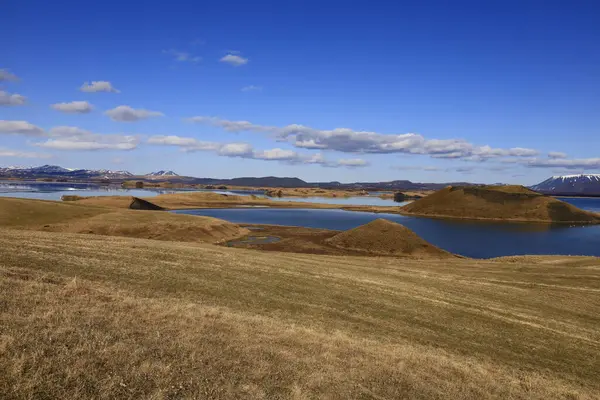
55 190
349 201
468 238
585 203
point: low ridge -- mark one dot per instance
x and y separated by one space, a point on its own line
509 203
75 217
386 238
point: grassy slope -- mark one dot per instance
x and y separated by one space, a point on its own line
498 203
386 238
105 317
82 218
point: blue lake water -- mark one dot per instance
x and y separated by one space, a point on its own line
469 238
585 203
349 201
55 190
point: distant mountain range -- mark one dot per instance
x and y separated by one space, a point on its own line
162 173
577 185
54 171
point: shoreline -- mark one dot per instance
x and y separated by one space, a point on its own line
188 200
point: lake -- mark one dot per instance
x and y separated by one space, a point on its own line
348 201
55 190
585 203
469 238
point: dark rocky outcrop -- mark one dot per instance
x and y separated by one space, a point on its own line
141 204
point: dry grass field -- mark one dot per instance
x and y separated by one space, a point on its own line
72 216
102 317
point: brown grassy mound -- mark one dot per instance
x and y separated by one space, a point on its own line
388 238
79 218
514 203
158 226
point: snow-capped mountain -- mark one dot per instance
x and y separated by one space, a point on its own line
570 184
54 171
162 173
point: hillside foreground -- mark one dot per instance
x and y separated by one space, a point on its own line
88 316
120 314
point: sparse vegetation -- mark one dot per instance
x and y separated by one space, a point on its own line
109 317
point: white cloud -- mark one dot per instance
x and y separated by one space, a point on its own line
172 141
98 86
128 114
231 126
7 99
185 143
74 138
277 154
5 75
252 88
318 158
245 150
182 56
4 152
234 59
74 107
350 141
20 128
236 150
353 162
581 163
556 154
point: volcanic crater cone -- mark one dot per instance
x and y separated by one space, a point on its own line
509 203
385 237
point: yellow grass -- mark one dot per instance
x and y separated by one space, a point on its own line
104 317
77 217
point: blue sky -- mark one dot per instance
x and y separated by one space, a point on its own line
431 91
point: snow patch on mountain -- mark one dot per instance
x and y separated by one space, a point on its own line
162 173
582 184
